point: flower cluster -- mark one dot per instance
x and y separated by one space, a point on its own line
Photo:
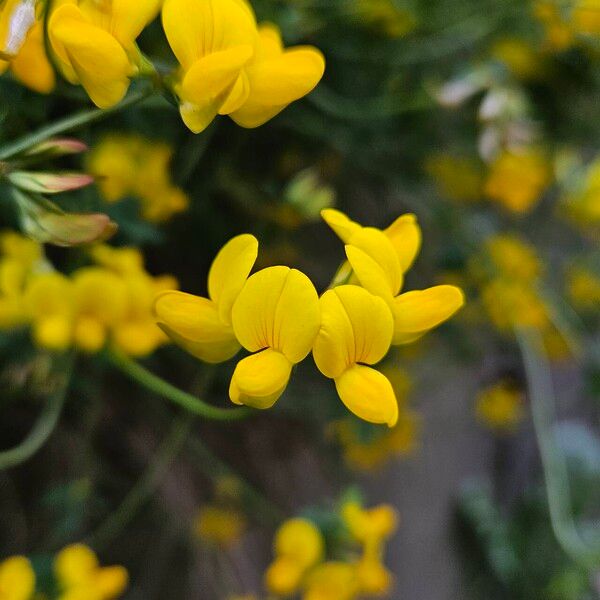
277 316
500 406
77 575
131 165
301 563
109 301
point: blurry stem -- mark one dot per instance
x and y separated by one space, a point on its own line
541 392
161 387
146 485
72 122
40 433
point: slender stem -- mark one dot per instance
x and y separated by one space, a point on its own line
72 122
541 391
161 387
146 485
38 436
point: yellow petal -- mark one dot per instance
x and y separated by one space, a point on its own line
368 394
277 308
128 19
260 379
98 60
356 327
237 96
216 25
277 81
211 76
75 565
197 117
344 227
418 311
379 247
31 66
370 275
405 235
229 272
17 578
194 324
111 582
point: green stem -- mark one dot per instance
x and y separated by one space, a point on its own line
146 485
40 433
161 387
72 122
541 392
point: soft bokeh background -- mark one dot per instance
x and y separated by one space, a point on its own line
482 118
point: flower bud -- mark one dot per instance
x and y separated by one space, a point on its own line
49 183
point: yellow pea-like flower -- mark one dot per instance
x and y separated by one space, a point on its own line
332 580
379 260
356 331
203 326
277 317
94 44
212 48
17 579
277 77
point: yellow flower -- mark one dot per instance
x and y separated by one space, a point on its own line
276 316
298 546
586 17
385 16
519 56
80 576
333 580
229 67
371 527
516 181
457 178
513 259
379 260
500 406
356 331
277 77
94 43
559 33
584 203
127 165
203 326
583 287
218 525
374 579
17 579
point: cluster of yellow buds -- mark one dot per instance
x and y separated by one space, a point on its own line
365 447
301 565
500 406
276 315
509 274
131 165
77 575
108 302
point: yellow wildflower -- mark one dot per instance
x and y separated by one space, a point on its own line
276 316
243 72
203 326
516 181
374 579
583 287
127 165
380 259
558 31
371 527
356 331
94 44
333 580
512 258
520 57
586 17
584 202
17 579
458 178
80 575
219 525
298 546
385 16
500 406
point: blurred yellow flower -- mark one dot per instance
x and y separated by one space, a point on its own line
80 575
130 165
516 181
94 44
500 406
243 72
512 258
457 178
586 17
219 525
379 260
333 580
385 16
520 57
371 527
583 288
17 579
356 331
203 326
298 546
583 203
276 317
374 579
